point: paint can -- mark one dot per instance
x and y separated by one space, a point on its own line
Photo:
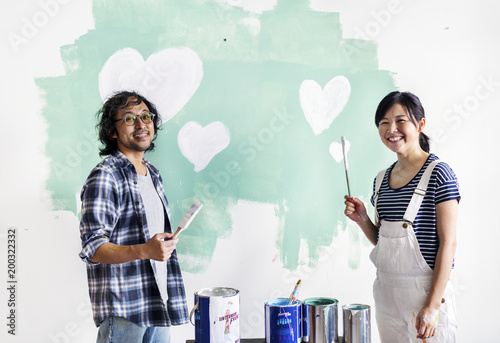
357 323
216 315
283 322
320 320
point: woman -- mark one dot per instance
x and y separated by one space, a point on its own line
414 232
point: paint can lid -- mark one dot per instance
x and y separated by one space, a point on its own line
320 301
217 292
356 307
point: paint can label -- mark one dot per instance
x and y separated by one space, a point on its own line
217 315
282 321
357 323
320 320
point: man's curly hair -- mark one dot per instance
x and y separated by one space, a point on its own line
106 116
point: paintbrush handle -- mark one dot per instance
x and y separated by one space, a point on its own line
177 232
293 296
347 179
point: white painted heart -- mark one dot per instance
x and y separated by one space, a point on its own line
168 78
336 150
322 106
200 144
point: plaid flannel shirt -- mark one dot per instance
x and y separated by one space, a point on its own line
113 211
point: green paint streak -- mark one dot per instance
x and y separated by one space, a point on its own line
251 83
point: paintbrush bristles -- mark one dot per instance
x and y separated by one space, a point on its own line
188 217
344 152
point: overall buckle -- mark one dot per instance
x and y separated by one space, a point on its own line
419 191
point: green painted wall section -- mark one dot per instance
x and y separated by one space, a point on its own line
251 83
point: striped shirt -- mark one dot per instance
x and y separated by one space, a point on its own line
113 211
392 203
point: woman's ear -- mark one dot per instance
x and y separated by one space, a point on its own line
421 125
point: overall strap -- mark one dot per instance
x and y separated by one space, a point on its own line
378 183
419 193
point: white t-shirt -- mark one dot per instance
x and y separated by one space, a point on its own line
155 216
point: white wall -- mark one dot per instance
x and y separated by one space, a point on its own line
449 60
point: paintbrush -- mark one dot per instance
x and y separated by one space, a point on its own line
344 153
188 217
293 296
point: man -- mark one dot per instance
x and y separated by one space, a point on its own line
135 283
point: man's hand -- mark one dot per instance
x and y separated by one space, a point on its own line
159 247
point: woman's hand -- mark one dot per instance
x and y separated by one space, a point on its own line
355 209
426 322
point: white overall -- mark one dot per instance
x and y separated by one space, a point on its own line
404 278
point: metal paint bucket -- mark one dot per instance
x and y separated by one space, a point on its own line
357 323
320 320
216 315
283 322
